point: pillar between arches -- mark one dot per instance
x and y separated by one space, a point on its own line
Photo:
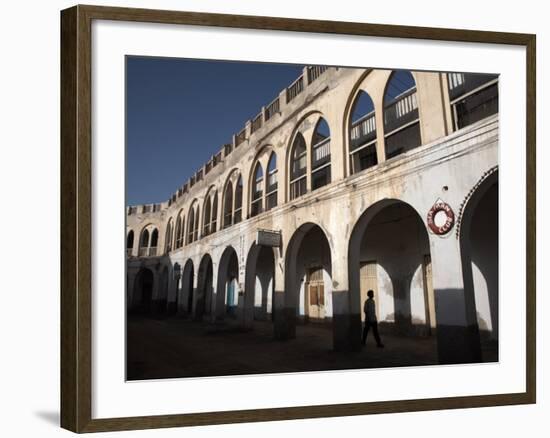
457 334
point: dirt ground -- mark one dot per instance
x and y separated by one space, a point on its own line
175 347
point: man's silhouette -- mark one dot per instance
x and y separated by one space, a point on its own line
370 320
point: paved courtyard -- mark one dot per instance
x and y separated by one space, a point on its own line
176 347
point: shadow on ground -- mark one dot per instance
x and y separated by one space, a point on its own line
176 347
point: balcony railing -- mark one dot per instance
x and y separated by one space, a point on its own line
401 111
294 89
321 152
148 252
240 137
363 131
314 72
256 123
272 109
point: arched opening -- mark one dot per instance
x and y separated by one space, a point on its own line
193 223
130 243
228 205
143 292
207 212
320 155
168 237
154 242
238 215
479 250
260 283
298 167
187 279
271 185
308 278
474 96
203 305
256 203
144 243
362 134
401 122
214 216
179 229
227 290
389 253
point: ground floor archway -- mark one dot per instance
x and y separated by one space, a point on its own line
187 288
308 278
479 253
260 283
203 299
143 292
389 253
228 291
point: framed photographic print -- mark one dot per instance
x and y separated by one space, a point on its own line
267 218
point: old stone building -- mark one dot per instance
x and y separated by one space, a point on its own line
351 179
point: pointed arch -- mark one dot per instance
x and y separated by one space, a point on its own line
154 242
257 190
362 133
401 120
193 222
320 155
180 225
298 167
129 243
168 237
228 205
210 211
271 182
237 215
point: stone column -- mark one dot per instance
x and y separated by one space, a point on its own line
346 325
284 319
457 330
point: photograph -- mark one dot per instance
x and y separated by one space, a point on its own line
285 218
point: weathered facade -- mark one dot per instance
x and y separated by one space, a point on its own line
370 179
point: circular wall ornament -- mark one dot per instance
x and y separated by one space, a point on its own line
441 218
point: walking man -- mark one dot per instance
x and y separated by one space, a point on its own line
370 320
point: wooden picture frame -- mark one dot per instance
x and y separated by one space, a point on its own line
76 218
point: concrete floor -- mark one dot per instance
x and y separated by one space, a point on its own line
175 347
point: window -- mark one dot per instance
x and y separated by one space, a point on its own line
298 167
168 238
206 217
257 191
191 224
228 205
362 134
320 155
196 230
237 216
401 123
144 239
271 184
473 97
130 242
180 223
210 212
154 242
214 218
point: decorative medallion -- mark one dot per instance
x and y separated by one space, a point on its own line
441 218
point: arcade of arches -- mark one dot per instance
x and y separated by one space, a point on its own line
393 188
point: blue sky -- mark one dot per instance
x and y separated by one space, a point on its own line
180 112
